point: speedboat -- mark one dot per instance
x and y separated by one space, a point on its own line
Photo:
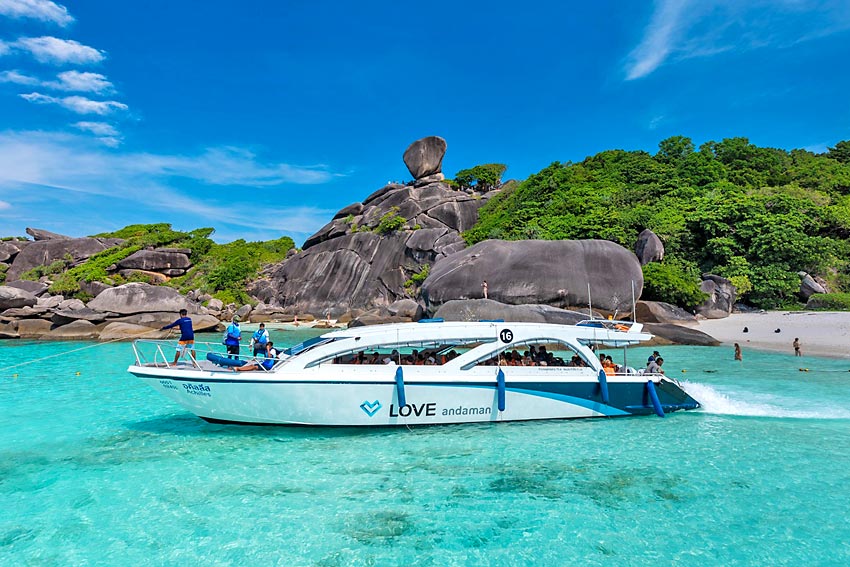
423 373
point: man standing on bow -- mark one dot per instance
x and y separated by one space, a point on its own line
187 335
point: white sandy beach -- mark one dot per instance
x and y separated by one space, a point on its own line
822 333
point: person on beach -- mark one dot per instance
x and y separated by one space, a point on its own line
738 355
260 340
187 335
796 344
484 287
232 337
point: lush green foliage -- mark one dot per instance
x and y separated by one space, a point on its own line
754 215
3 268
481 177
830 301
672 282
390 222
226 268
221 270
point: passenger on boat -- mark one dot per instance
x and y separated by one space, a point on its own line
654 367
187 335
266 363
260 339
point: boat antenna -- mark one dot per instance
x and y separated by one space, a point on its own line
589 302
634 305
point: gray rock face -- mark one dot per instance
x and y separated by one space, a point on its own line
666 333
155 260
649 248
809 287
65 316
549 272
45 252
425 157
488 310
343 270
39 234
128 331
660 312
133 298
35 288
8 250
721 297
76 330
12 297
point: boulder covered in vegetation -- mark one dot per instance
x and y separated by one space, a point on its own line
372 258
810 286
547 272
425 157
43 253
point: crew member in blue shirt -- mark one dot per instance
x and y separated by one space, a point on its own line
232 338
187 335
260 340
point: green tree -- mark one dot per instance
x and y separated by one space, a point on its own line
481 177
841 151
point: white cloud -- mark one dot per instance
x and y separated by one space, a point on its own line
47 49
82 82
78 104
4 206
43 10
4 48
17 78
97 128
685 29
92 182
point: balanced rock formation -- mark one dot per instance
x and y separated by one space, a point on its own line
548 272
157 261
721 297
660 312
649 248
424 157
363 258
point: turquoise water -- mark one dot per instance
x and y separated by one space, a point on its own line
98 469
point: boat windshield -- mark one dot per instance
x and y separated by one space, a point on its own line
307 345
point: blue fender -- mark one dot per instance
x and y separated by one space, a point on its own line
603 385
399 387
653 397
500 386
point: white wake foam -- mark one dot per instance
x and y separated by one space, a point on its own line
716 402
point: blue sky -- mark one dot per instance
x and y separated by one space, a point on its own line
262 118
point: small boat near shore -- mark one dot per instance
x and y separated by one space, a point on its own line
422 374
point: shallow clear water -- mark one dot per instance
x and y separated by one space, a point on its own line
98 469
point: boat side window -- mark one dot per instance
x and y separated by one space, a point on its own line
542 352
420 353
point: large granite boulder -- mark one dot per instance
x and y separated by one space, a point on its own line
350 265
40 234
45 252
667 334
35 288
721 297
548 272
77 330
33 328
10 248
133 298
489 310
660 312
809 286
155 260
127 331
425 157
649 248
12 297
